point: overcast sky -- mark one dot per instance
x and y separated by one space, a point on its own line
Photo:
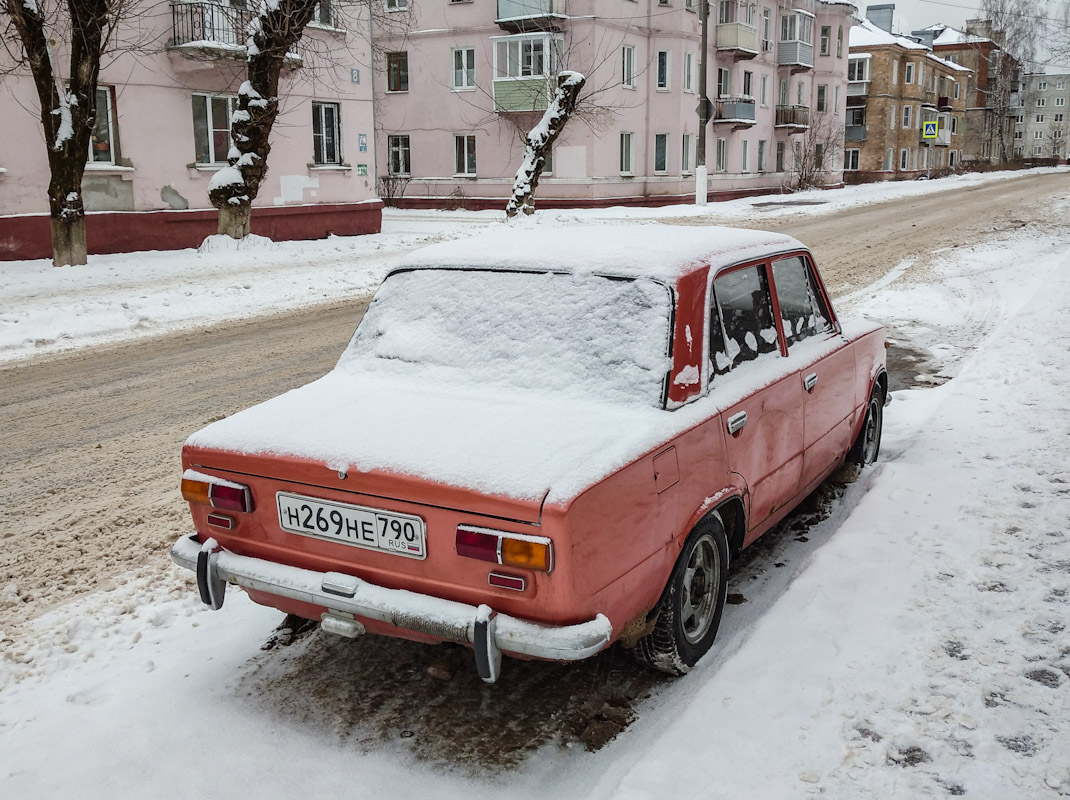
913 15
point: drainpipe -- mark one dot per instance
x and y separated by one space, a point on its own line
703 107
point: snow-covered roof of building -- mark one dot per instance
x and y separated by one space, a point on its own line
866 34
955 36
651 250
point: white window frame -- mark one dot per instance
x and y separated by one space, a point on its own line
1041 102
108 120
1039 118
685 154
908 73
663 67
627 153
522 59
761 155
722 155
724 82
463 77
851 159
744 160
857 70
825 40
232 105
1060 102
908 115
748 83
320 141
464 155
661 139
627 54
689 72
822 97
764 92
904 158
399 154
893 119
895 72
396 5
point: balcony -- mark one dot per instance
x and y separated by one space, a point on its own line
793 117
210 31
854 133
520 94
928 99
943 103
735 111
943 138
797 55
524 16
858 88
737 39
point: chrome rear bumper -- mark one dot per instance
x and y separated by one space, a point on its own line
346 597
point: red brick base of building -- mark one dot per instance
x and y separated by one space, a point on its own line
29 236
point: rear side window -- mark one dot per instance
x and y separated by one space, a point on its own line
802 309
746 329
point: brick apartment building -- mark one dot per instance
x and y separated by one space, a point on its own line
895 86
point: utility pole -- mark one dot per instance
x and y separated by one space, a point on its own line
703 106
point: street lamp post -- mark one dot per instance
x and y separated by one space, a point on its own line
703 106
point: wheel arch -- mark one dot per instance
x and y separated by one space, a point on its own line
730 512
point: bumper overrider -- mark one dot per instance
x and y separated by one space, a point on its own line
346 597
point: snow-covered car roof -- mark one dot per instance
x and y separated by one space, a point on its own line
659 252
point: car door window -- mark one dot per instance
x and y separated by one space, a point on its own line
802 310
746 331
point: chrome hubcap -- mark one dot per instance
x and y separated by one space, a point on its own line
873 432
699 589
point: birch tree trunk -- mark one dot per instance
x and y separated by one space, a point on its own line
539 141
273 34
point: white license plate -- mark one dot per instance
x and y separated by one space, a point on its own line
400 534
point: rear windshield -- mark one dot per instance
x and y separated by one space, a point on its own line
587 335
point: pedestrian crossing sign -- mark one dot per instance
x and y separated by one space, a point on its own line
928 130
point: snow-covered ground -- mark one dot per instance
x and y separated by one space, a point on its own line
125 296
921 650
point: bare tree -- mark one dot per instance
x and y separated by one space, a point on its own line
272 36
814 153
539 141
67 102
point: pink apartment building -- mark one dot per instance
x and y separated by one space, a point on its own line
162 131
456 94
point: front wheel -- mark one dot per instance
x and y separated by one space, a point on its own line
868 444
690 608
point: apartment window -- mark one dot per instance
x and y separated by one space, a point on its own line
956 90
1019 119
663 2
797 27
102 140
397 72
856 116
784 92
628 66
464 69
398 151
954 124
906 116
851 159
908 73
858 69
826 39
464 155
525 56
211 127
1038 134
889 156
839 43
891 116
326 143
323 14
397 5
1039 117
1042 86
1018 134
690 5
779 156
722 155
1041 102
685 154
799 93
663 70
724 82
836 106
904 158
661 155
689 72
764 90
767 30
895 73
1058 117
1060 85
819 155
761 155
1060 101
626 154
822 97
745 156
748 79
1018 151
1038 149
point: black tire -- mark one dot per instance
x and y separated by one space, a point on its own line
868 444
690 608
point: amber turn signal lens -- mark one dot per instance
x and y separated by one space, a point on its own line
196 491
527 554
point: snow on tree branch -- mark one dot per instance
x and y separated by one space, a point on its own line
540 139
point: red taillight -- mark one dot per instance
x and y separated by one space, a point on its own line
216 492
477 544
502 547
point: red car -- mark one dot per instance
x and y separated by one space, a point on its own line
543 440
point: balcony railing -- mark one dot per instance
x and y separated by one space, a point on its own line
943 138
738 37
792 117
210 24
854 133
736 110
529 15
797 55
858 88
520 94
943 103
928 99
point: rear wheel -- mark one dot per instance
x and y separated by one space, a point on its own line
690 608
868 444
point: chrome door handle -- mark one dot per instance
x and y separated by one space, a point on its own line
736 422
810 381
